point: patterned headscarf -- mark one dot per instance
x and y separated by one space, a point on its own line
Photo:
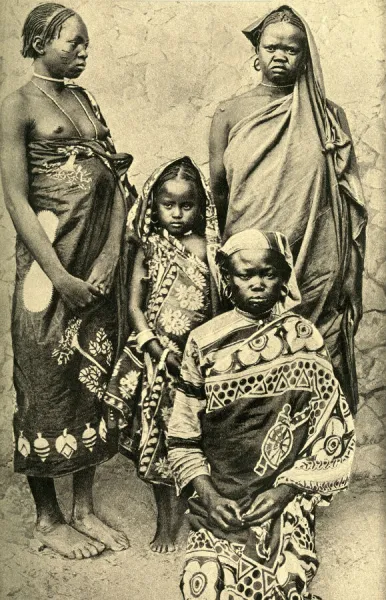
256 240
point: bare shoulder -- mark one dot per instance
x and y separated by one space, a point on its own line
236 107
196 244
15 106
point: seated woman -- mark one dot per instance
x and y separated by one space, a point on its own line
282 159
260 431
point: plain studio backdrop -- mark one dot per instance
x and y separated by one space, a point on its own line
158 70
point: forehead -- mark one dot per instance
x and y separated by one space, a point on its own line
283 32
74 27
176 188
252 259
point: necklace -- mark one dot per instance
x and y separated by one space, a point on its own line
65 113
277 86
47 78
260 319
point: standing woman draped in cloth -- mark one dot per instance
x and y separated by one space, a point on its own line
66 192
281 158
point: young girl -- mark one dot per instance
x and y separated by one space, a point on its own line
260 431
172 292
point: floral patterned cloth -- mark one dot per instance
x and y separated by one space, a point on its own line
182 295
63 358
258 406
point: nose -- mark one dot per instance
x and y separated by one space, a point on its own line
177 212
257 283
280 55
83 53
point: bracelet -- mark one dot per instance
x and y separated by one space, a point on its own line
145 336
164 355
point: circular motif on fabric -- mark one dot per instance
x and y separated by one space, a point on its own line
303 329
223 364
248 356
198 583
259 343
333 442
277 444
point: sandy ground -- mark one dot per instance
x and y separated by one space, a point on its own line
350 538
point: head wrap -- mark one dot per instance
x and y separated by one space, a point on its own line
284 14
256 240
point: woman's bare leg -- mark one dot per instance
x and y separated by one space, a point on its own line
84 519
51 528
169 518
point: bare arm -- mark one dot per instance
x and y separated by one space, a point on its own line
138 295
218 141
13 132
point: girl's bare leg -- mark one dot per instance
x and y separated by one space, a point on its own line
169 519
52 530
84 519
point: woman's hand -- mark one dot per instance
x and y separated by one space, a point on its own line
75 292
173 363
224 513
103 271
269 504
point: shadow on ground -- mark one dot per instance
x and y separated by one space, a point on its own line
350 541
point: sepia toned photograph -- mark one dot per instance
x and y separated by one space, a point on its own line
192 300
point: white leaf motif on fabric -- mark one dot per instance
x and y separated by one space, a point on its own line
189 297
174 321
128 384
90 377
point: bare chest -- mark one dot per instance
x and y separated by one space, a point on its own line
56 116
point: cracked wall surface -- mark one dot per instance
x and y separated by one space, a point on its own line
158 70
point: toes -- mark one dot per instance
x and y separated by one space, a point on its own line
99 546
86 551
78 554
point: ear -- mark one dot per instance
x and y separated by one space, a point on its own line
38 45
284 291
226 277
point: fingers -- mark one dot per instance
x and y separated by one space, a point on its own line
94 289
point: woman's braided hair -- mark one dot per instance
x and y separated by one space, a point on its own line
44 21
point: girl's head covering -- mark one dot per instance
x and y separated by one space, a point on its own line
256 240
140 221
141 217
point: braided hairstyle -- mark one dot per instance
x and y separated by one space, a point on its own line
184 169
44 21
284 14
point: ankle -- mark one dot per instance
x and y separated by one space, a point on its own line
46 523
80 513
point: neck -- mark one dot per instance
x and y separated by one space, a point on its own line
55 83
277 86
263 317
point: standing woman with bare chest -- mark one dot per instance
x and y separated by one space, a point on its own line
281 159
65 190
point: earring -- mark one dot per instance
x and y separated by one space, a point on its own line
227 292
256 64
284 291
154 219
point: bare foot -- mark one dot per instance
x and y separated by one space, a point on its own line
162 543
93 527
68 542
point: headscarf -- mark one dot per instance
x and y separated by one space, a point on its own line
284 14
256 240
140 225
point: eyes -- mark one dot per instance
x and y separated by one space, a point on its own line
264 274
171 205
288 49
78 42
